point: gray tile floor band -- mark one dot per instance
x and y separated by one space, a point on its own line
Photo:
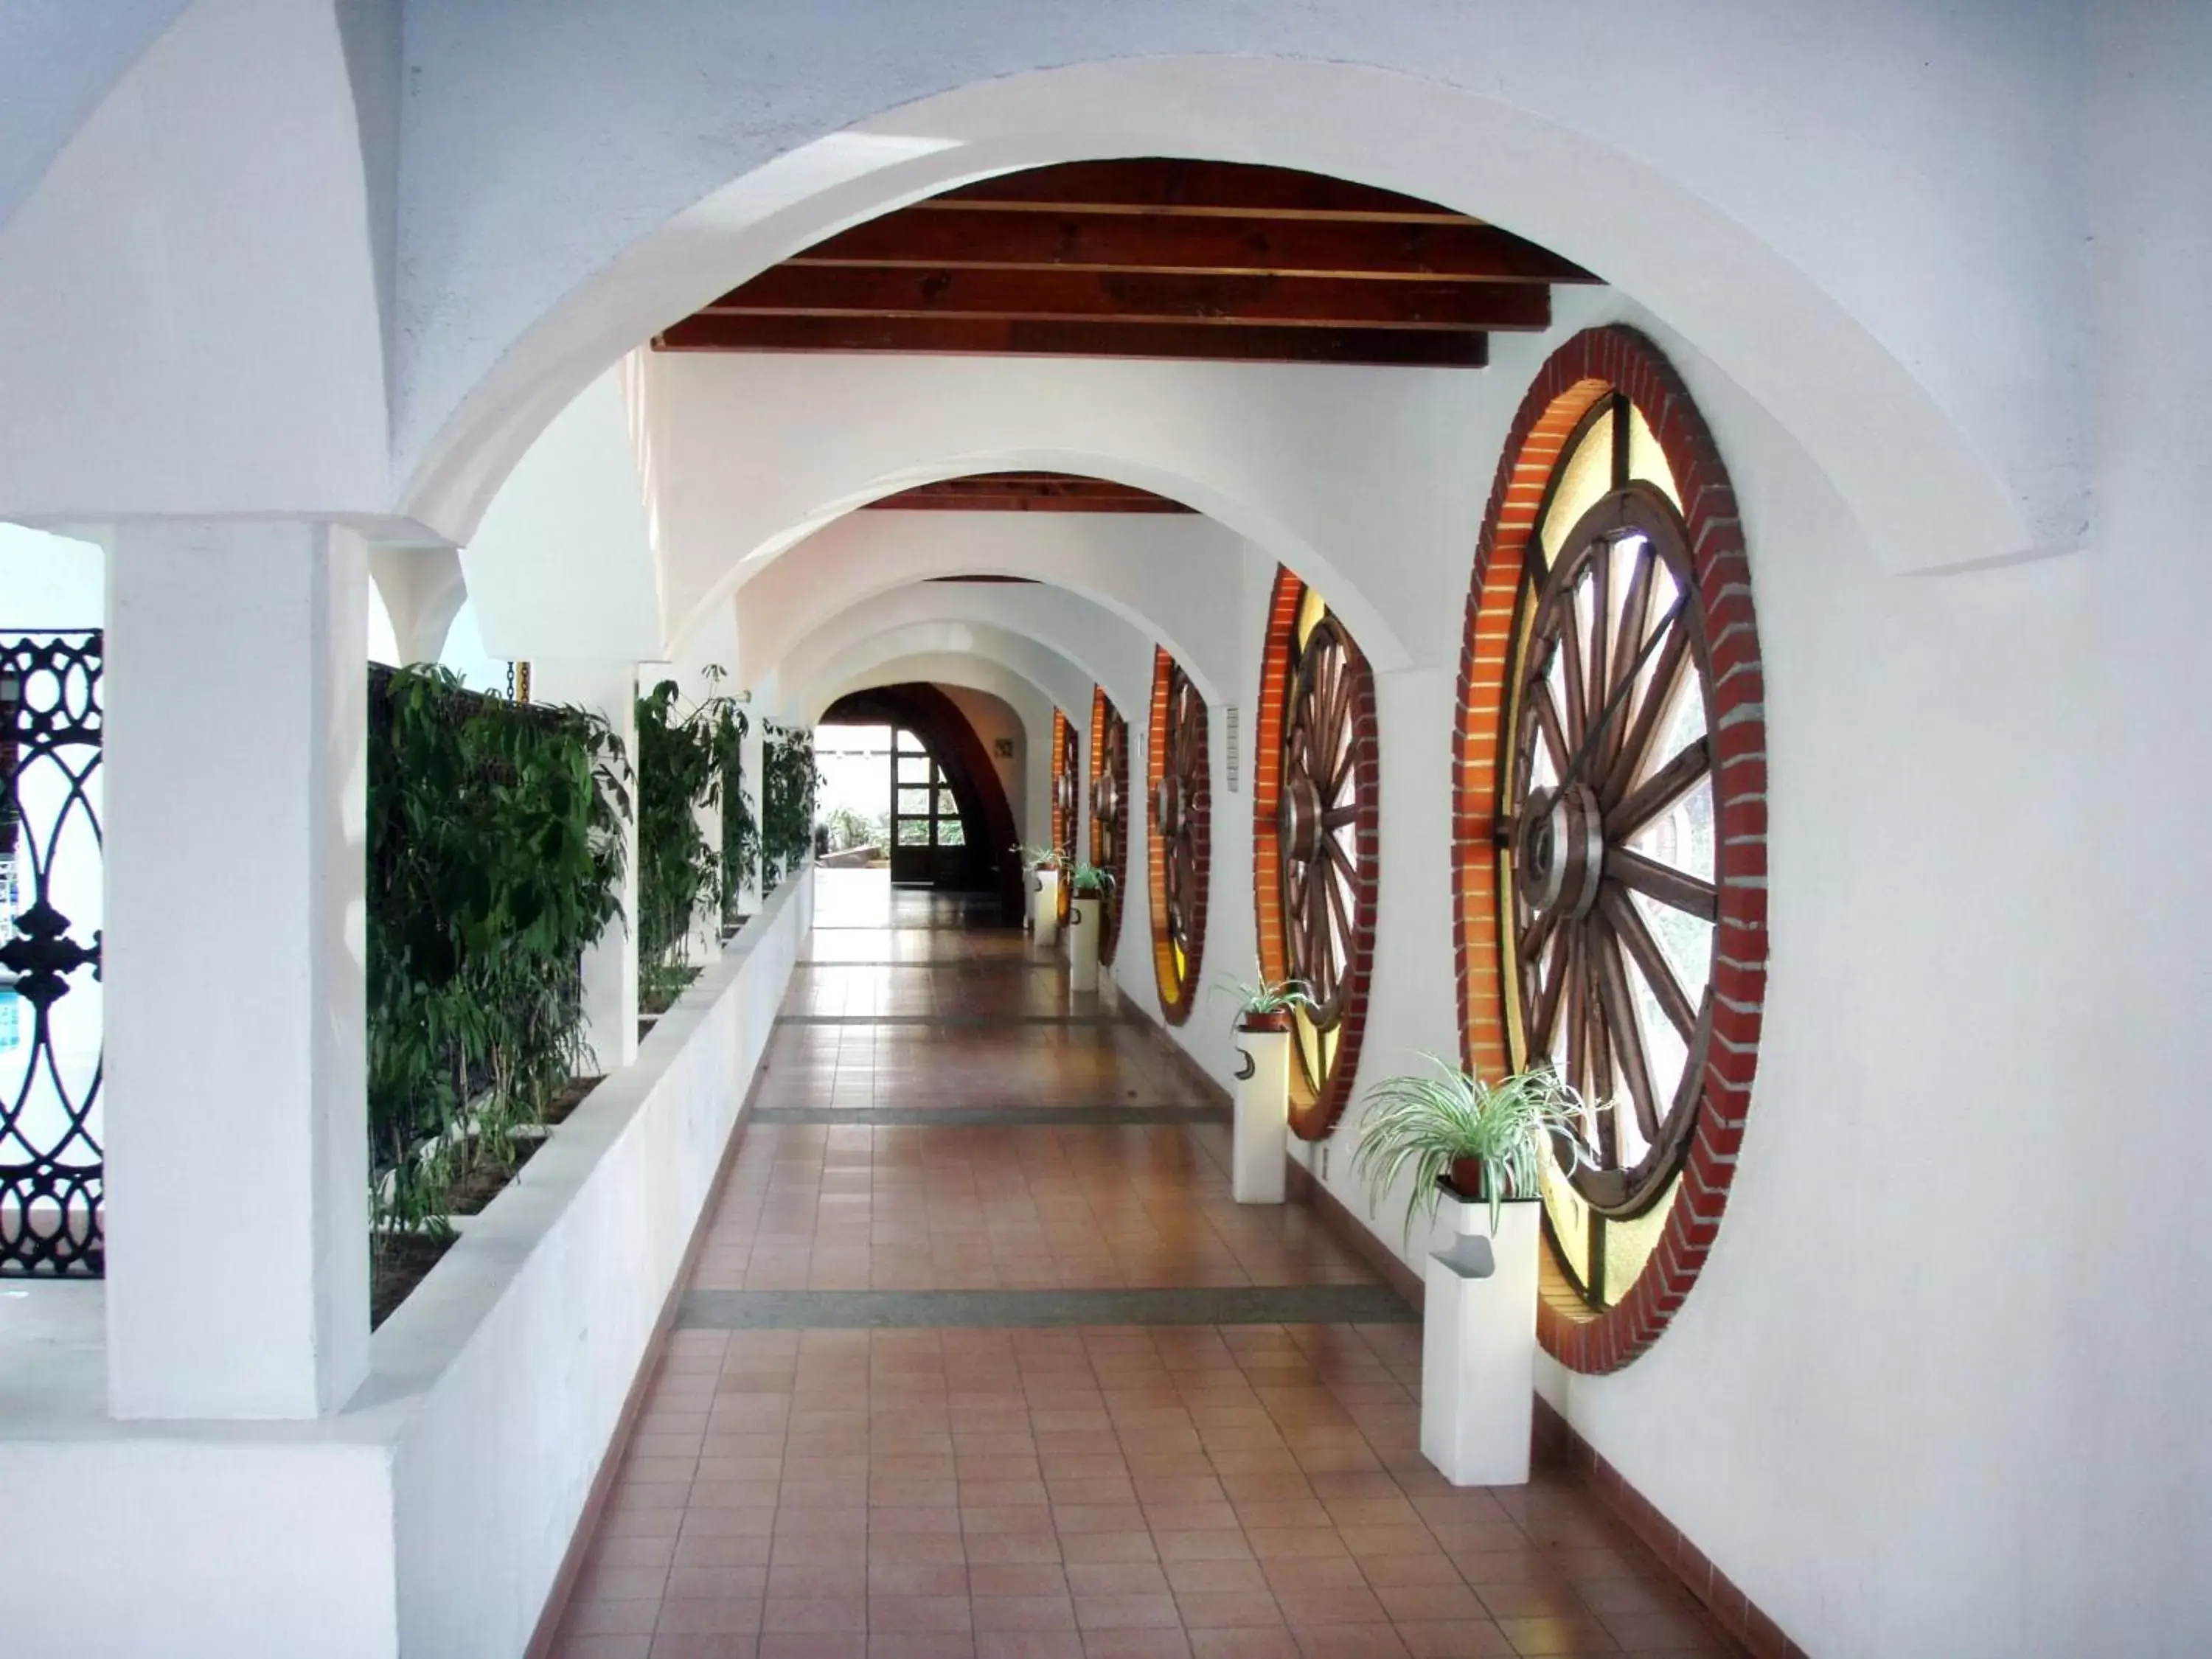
1258 1304
941 1117
965 1022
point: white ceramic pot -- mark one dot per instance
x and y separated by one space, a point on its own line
1479 1344
1262 1129
1047 908
1085 916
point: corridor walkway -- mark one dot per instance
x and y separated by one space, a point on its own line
980 1359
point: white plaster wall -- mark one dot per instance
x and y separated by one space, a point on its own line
189 314
1949 128
1103 648
562 564
150 1547
1159 572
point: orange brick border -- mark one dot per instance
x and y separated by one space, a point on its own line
1178 993
1102 713
1063 822
1313 1113
1589 366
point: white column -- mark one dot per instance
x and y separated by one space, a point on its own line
237 1178
608 689
705 937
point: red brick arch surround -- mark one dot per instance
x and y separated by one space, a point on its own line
1314 1112
1178 993
1589 366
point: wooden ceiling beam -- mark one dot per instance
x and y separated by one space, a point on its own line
949 236
1136 296
1404 348
1158 184
1027 492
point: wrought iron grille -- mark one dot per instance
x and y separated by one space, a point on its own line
50 1004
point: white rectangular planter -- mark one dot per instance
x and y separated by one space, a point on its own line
1084 917
1261 1132
1478 1347
1046 902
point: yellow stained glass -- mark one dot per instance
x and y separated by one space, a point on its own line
1570 1218
1312 609
1586 476
1646 460
1628 1244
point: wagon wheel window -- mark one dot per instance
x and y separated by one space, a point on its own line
1324 837
1179 810
1608 872
1109 806
1066 797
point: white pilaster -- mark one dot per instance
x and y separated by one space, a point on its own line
1479 1345
1260 1132
608 689
237 1176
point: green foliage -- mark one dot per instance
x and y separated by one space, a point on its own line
740 833
849 828
788 781
682 763
1427 1124
1266 996
1040 858
1089 881
494 860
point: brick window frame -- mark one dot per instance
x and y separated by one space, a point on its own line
1178 992
1315 1110
1104 715
1594 364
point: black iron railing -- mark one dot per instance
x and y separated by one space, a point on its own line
50 1018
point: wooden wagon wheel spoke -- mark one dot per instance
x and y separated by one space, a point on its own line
1546 714
1642 723
1659 791
1663 882
1628 923
1570 659
1635 620
1625 1036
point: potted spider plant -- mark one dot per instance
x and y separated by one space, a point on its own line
1044 866
1088 885
1482 1145
1260 1128
1267 1004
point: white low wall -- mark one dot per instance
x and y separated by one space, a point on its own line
553 1293
430 1517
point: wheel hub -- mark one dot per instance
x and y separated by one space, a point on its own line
1558 851
1300 819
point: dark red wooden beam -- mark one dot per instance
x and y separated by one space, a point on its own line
1028 492
950 236
1136 296
1156 184
1254 342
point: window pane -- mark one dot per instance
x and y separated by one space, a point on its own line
913 832
914 800
949 834
915 769
910 744
946 807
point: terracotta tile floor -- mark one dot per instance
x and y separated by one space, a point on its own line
1245 1490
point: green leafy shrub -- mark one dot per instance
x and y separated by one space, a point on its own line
683 758
493 859
788 781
